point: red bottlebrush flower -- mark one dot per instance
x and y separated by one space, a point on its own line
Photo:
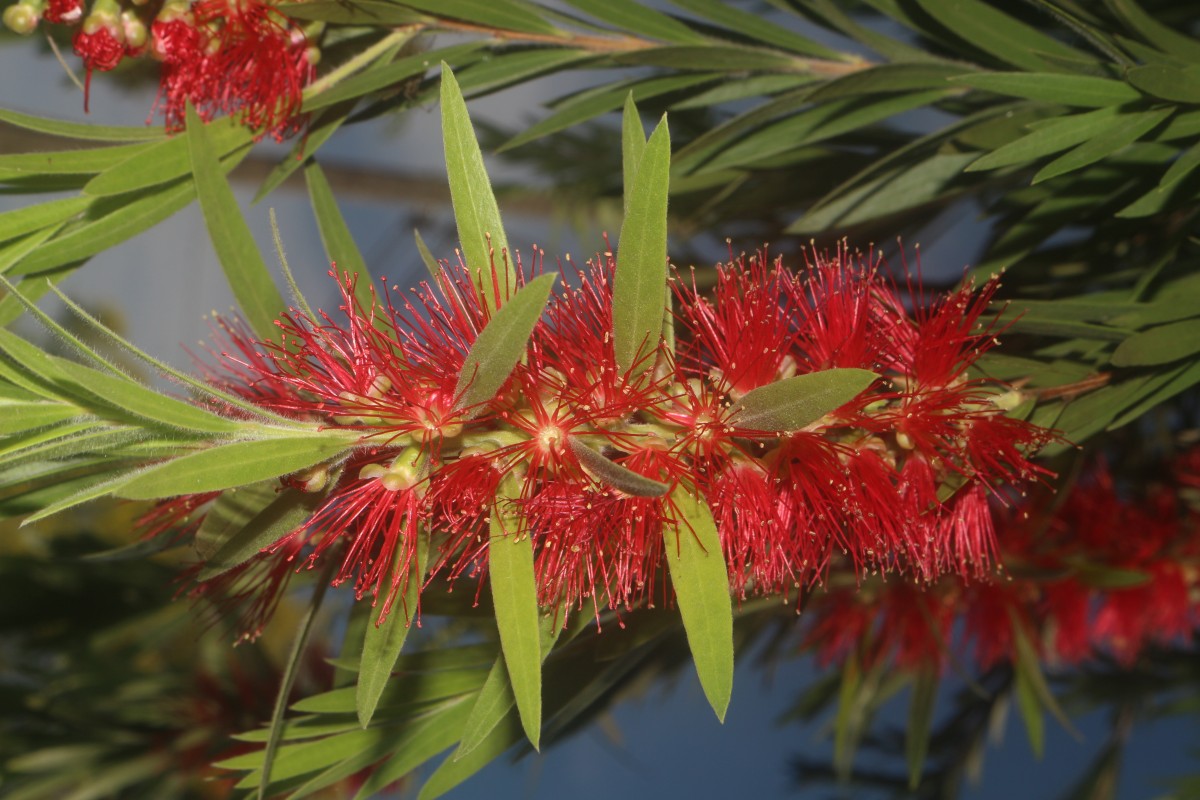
237 57
742 339
100 42
64 12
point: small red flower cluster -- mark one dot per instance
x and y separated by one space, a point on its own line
237 57
1099 572
898 480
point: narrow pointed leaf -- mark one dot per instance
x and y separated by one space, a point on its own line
255 291
633 145
920 723
1128 130
340 247
230 513
1168 83
496 698
1159 345
288 511
1162 35
82 130
757 26
701 582
384 641
290 671
229 465
501 344
431 264
615 475
166 161
457 768
640 284
998 34
1052 87
792 403
29 219
476 214
514 595
305 149
1053 137
66 162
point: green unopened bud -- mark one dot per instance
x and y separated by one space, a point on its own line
22 18
135 30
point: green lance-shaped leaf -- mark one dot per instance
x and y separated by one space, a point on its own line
514 595
920 722
476 214
495 697
1168 83
501 344
335 235
640 284
230 513
427 258
253 288
633 145
228 465
1051 87
1159 345
792 403
701 582
613 474
384 641
1130 128
286 512
1053 137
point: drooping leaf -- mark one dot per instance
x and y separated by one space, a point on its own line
501 344
116 223
701 582
480 231
230 513
237 464
792 403
285 513
615 475
1168 83
920 722
640 283
1051 87
252 285
514 595
166 161
431 264
628 15
419 742
326 124
1126 130
291 670
29 219
1000 35
1155 31
1054 137
84 131
66 162
591 103
755 26
495 697
384 640
1159 345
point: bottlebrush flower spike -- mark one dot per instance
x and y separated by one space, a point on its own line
899 480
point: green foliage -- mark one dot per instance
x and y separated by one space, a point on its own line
1073 129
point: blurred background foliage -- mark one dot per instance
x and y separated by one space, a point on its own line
1064 135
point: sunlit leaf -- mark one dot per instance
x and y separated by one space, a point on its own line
227 465
701 582
514 595
82 130
384 640
252 285
480 231
640 283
